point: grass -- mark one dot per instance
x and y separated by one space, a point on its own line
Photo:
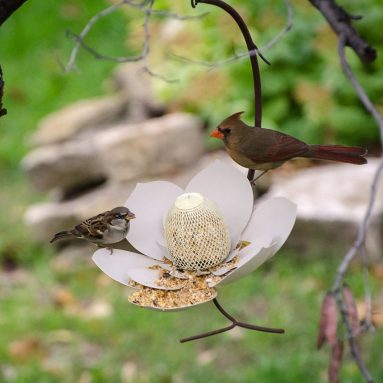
47 333
285 293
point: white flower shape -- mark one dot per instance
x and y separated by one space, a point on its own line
256 234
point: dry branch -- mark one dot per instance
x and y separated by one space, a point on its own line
2 110
7 7
146 7
359 244
253 52
340 22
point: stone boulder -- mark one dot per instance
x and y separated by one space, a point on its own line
332 201
125 152
80 118
63 165
151 148
45 219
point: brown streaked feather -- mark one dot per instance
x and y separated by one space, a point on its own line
93 227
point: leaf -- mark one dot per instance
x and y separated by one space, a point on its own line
328 321
351 310
335 362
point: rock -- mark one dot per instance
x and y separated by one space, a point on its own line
332 201
125 152
79 118
48 218
135 86
63 165
151 148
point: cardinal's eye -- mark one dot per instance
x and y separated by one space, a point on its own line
227 131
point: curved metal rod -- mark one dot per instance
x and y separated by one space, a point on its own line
253 51
234 323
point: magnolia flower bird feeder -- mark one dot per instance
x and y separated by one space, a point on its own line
192 241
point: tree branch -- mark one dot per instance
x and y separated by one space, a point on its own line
3 111
359 244
146 7
239 56
340 22
7 7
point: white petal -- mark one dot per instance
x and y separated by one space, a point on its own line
269 227
148 278
230 190
118 264
272 221
149 202
249 263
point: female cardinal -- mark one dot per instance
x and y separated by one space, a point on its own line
265 149
103 229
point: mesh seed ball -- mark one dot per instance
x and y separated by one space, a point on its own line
195 233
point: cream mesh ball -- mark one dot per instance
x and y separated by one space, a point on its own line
195 233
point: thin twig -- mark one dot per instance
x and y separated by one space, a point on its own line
211 65
80 38
234 323
285 30
146 7
363 228
367 291
3 111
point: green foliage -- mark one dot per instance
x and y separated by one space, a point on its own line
33 47
304 90
72 346
305 94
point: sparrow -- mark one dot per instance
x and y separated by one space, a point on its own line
103 229
264 149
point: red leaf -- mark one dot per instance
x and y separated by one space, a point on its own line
351 310
328 321
335 362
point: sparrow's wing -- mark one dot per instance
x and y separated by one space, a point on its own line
92 228
273 146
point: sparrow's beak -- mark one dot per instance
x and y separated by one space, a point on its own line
216 134
130 216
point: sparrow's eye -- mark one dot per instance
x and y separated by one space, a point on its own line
119 215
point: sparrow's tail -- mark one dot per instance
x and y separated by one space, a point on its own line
61 235
349 154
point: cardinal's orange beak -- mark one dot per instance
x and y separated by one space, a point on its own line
216 134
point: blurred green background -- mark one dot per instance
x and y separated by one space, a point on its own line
71 324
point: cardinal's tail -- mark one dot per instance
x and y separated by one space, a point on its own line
349 154
61 235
